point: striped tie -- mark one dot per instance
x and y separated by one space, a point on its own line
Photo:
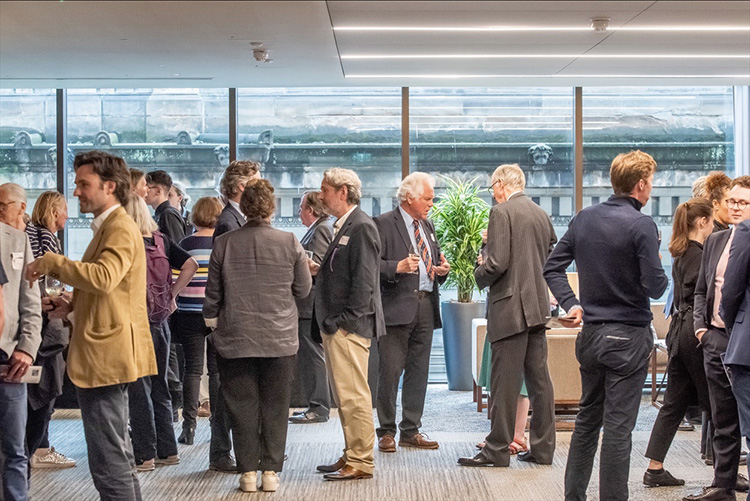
424 254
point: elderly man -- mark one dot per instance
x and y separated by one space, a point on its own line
232 185
20 339
616 250
312 365
349 315
520 236
110 344
712 332
411 269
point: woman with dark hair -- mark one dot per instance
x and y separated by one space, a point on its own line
686 379
716 188
255 274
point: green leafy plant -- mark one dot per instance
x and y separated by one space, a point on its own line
460 216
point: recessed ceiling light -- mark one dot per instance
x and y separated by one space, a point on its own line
544 56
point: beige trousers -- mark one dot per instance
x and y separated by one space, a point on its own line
347 356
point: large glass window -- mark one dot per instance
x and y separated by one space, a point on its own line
182 131
297 133
28 121
688 130
467 133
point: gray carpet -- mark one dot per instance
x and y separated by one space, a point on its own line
450 418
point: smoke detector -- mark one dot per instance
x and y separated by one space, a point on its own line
600 24
261 55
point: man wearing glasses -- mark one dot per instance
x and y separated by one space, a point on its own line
712 334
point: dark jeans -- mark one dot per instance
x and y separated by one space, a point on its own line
190 331
614 363
104 412
256 393
312 370
724 416
405 349
13 410
686 386
221 439
741 389
151 407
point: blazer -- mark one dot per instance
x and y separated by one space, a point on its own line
261 320
685 270
22 329
735 297
317 239
705 293
110 342
348 283
520 237
229 219
398 291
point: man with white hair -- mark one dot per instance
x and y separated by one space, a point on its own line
349 315
520 237
411 269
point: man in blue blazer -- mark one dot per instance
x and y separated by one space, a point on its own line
735 310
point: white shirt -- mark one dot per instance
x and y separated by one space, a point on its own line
340 221
237 208
513 194
99 220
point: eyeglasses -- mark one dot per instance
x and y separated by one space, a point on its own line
737 204
491 190
5 206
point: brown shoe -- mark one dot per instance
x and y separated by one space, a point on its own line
420 441
387 443
330 468
347 473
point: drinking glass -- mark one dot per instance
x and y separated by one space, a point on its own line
53 287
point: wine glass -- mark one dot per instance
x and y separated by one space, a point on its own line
53 287
413 254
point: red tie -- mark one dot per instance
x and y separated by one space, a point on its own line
422 248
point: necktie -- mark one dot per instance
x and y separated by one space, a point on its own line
423 253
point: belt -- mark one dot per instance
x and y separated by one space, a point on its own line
423 294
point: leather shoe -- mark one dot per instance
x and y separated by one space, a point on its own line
225 464
387 443
478 460
712 494
308 417
330 468
347 473
742 483
527 457
420 441
661 479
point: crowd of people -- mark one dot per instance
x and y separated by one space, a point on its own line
162 302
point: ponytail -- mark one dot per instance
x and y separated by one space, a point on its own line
684 221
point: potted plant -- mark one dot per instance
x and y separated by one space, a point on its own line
460 215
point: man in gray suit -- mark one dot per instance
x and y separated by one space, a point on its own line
312 365
411 269
20 339
519 239
349 315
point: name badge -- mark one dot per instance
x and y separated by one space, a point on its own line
16 260
344 240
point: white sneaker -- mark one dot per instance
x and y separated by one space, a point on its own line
269 481
249 482
52 459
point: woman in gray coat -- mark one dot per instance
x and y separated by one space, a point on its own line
254 275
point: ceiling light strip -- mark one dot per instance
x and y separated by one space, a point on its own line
538 28
352 57
456 76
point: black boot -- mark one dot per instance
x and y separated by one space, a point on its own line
188 435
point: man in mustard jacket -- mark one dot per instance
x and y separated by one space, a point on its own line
110 344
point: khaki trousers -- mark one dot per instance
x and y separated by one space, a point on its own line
347 357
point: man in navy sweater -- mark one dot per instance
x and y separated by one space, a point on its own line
616 250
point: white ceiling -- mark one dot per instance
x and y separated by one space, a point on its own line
53 44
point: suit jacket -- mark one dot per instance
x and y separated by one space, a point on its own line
111 341
348 283
398 291
22 304
317 239
229 219
735 297
704 289
257 321
520 237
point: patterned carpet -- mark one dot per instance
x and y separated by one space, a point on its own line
450 417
